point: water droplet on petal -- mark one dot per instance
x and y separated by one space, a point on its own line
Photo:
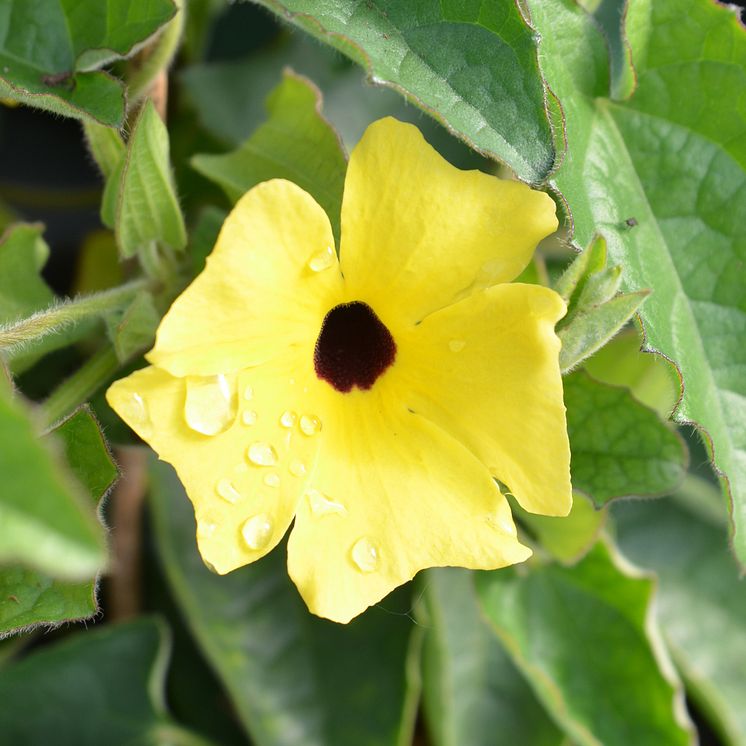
209 407
262 454
297 468
492 268
456 345
248 393
136 411
321 505
365 555
257 531
323 260
272 480
206 529
249 417
227 491
287 419
309 424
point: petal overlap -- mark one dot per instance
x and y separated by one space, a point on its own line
434 505
487 370
419 234
267 282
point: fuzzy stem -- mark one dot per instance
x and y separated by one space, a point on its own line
16 335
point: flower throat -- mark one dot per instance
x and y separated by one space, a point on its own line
354 347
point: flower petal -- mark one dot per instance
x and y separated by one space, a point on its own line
244 480
486 370
266 285
419 234
391 494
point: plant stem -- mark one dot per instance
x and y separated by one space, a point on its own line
158 57
14 336
80 386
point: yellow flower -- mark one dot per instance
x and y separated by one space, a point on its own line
371 399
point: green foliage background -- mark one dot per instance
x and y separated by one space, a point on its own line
628 624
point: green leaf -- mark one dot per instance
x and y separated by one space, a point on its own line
570 538
29 598
316 683
594 314
295 143
651 378
472 66
106 146
701 604
147 207
472 692
681 175
101 685
23 254
134 330
45 521
619 447
50 48
204 235
581 637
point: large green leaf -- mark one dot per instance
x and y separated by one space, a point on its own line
293 678
295 143
49 50
701 601
471 65
673 157
619 446
147 208
101 686
472 692
28 597
46 522
581 636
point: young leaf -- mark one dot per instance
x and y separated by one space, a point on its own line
580 635
50 50
570 538
701 604
45 522
471 66
29 597
650 378
101 685
147 207
595 312
619 446
666 186
133 331
295 143
312 684
472 692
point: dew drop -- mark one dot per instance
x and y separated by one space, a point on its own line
206 529
137 412
309 424
287 419
209 407
456 345
365 555
248 393
262 454
272 480
321 505
323 260
227 491
257 531
249 417
297 468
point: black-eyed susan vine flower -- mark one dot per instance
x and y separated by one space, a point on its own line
370 400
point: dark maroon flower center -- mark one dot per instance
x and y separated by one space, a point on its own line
354 347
